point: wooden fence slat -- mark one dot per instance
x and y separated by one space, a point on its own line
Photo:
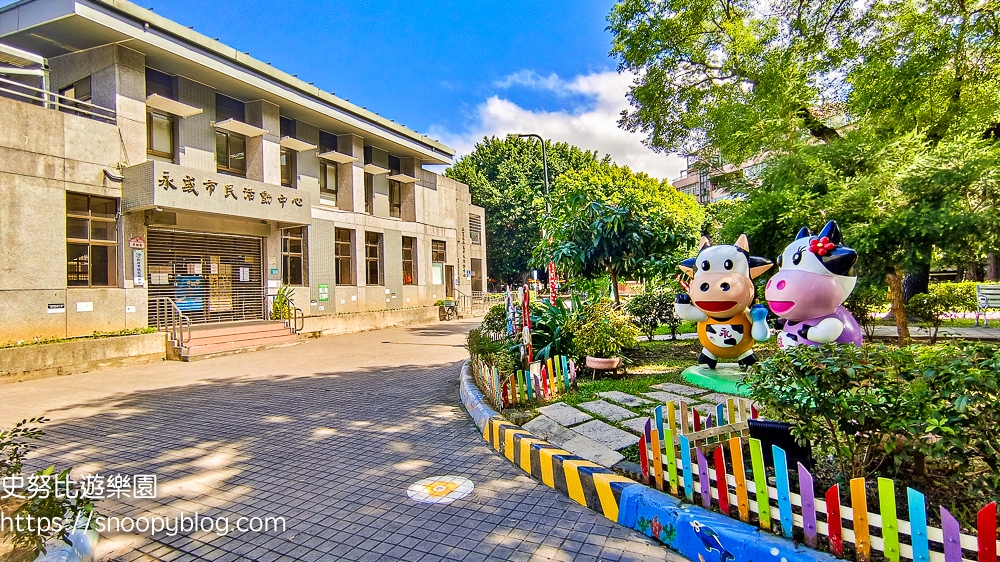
986 521
572 372
657 459
918 526
703 484
890 523
528 386
672 417
552 377
720 414
685 445
739 473
671 451
545 384
834 523
565 369
784 496
684 418
741 404
731 411
808 501
646 431
644 457
721 481
760 484
539 394
753 411
658 416
859 504
952 537
697 420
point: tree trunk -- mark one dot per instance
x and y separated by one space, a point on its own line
992 273
895 281
614 286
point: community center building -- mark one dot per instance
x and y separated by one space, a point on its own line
147 170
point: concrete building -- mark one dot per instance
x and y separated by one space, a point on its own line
145 168
706 180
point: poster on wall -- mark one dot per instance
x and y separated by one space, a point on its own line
189 293
138 267
220 285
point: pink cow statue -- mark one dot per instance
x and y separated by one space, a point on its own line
815 277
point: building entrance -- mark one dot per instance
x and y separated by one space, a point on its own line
211 277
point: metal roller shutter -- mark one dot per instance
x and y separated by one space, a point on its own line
211 277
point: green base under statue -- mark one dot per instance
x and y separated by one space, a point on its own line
727 378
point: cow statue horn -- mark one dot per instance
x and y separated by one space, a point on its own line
832 232
804 233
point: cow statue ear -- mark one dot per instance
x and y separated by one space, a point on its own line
742 243
803 233
705 242
832 231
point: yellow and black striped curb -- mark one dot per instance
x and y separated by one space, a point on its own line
586 482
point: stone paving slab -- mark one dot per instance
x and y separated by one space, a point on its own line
636 425
623 398
568 439
564 414
718 398
607 410
679 388
665 397
606 434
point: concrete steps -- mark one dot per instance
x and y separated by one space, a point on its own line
227 339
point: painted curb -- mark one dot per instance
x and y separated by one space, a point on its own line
684 528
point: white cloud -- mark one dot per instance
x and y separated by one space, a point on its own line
591 124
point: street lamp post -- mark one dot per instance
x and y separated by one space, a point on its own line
548 208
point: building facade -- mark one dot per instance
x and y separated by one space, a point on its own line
144 166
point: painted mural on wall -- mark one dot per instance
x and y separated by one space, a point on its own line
815 277
719 296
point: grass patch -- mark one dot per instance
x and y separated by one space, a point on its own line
685 328
94 336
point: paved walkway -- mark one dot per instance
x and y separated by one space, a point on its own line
329 434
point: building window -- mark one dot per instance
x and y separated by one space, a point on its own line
288 161
292 251
229 108
369 193
409 260
344 256
439 255
159 136
329 177
79 90
231 153
373 258
476 229
91 241
160 83
395 198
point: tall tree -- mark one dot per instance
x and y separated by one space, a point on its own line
749 80
607 219
505 177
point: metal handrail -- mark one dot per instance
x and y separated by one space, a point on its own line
296 323
58 102
298 319
169 318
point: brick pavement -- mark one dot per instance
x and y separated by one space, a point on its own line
328 434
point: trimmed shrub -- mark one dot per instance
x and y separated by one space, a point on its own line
603 331
648 311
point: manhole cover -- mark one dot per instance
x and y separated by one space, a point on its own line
440 489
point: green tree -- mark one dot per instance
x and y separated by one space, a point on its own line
505 178
857 108
607 219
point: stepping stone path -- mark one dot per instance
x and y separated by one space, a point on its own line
679 388
625 399
608 410
635 425
606 434
564 414
668 397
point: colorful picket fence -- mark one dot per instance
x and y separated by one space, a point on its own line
689 462
542 381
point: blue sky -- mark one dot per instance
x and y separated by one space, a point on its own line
455 70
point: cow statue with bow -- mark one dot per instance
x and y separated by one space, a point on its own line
815 276
718 298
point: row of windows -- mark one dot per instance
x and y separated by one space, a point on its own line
92 249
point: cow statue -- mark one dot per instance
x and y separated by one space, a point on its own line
718 298
815 276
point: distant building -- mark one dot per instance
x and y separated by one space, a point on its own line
706 179
144 166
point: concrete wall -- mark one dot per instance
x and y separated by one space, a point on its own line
36 361
363 321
